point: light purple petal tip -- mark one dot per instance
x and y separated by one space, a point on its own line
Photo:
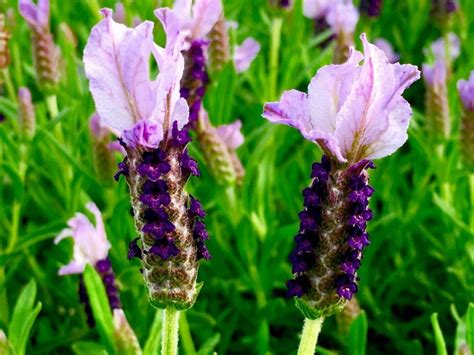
245 54
386 46
316 9
231 134
37 15
342 18
466 92
447 50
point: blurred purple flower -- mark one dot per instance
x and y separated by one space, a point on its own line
316 9
37 16
353 112
435 75
231 135
342 18
466 92
119 12
371 7
90 242
452 46
245 54
388 49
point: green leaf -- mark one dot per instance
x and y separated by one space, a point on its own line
357 341
100 307
438 334
210 344
23 318
152 344
470 326
88 348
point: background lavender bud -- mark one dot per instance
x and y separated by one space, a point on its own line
331 238
125 339
371 7
68 34
442 8
46 58
436 99
466 93
283 4
103 156
4 50
347 315
219 45
27 117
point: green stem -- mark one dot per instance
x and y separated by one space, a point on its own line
275 31
9 84
471 187
185 336
52 104
309 337
169 338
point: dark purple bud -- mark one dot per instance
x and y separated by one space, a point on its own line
158 229
308 222
371 7
180 138
195 207
164 248
189 165
200 231
134 250
202 251
297 287
311 198
123 169
103 265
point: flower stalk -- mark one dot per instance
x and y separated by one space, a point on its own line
170 331
309 336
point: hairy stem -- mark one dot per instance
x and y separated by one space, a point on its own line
309 337
169 335
52 104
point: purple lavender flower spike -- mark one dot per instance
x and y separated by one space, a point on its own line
466 92
355 113
152 121
371 7
342 18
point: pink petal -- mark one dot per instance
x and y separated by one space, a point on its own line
435 75
231 135
374 112
116 60
466 91
115 146
245 54
316 9
73 267
343 18
145 133
453 46
205 15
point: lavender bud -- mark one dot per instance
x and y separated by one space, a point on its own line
27 117
466 92
103 155
172 234
442 8
345 318
125 339
371 7
331 238
219 45
4 50
436 100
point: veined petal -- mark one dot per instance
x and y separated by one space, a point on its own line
116 64
231 135
145 133
205 15
171 65
373 106
36 15
245 54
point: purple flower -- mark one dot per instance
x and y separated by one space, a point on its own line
388 49
37 16
126 99
90 242
317 9
231 134
353 112
342 18
371 7
446 51
466 92
245 54
119 13
197 18
435 75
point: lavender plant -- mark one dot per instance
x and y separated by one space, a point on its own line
91 247
466 92
151 119
355 114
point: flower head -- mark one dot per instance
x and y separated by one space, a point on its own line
90 242
139 109
342 17
231 135
245 54
466 91
197 18
352 111
37 16
316 9
446 50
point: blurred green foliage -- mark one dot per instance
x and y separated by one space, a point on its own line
420 261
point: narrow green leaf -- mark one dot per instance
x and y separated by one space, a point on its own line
438 334
23 318
153 342
470 326
357 341
210 344
88 348
100 307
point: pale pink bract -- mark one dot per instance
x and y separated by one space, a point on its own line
37 15
231 134
245 54
466 91
353 111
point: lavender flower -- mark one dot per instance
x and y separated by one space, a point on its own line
245 53
388 49
4 38
219 44
371 7
442 8
26 110
46 54
151 118
466 92
119 13
354 113
316 9
91 247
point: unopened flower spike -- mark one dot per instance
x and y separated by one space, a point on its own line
4 50
466 92
92 247
151 119
355 113
26 112
209 39
104 149
436 81
45 52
